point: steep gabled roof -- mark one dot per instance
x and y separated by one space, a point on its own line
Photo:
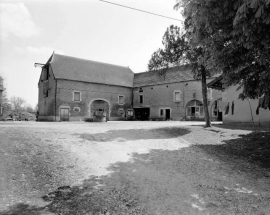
76 69
172 75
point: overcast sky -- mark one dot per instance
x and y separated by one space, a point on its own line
30 30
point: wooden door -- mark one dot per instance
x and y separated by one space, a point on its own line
64 114
168 114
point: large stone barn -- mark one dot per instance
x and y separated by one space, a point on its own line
73 89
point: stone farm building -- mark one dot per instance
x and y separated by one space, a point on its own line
73 89
235 110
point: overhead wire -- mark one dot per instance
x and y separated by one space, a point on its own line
144 11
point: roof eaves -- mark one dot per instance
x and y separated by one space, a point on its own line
152 84
92 82
216 83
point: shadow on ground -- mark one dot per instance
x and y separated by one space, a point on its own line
195 180
254 148
135 134
244 127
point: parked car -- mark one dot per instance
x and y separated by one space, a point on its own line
8 118
25 116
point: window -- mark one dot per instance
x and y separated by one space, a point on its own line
77 109
130 112
177 96
76 96
161 112
121 99
195 109
45 88
141 99
215 108
46 73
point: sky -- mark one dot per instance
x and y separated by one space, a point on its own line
30 30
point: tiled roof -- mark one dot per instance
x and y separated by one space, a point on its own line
172 75
76 69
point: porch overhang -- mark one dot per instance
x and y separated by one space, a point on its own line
216 83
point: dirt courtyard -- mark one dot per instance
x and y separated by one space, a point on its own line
133 168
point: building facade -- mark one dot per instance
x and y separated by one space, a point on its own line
72 89
235 110
174 95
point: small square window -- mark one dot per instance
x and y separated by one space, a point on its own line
121 100
130 112
177 96
141 99
76 96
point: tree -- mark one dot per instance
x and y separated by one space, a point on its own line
17 103
236 36
4 103
29 108
178 51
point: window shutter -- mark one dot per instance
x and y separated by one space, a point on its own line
209 94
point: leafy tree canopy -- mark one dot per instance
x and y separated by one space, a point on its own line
4 103
235 35
178 51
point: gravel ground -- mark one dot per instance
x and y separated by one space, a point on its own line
131 168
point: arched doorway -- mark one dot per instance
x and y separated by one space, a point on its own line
216 110
194 110
99 108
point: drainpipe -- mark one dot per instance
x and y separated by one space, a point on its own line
55 100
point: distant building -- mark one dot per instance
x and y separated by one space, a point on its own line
235 110
73 89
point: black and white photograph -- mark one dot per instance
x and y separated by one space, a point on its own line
134 107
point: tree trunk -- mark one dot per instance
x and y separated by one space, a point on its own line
204 95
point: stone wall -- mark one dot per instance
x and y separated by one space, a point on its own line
161 96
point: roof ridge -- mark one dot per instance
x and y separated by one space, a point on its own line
92 61
169 69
